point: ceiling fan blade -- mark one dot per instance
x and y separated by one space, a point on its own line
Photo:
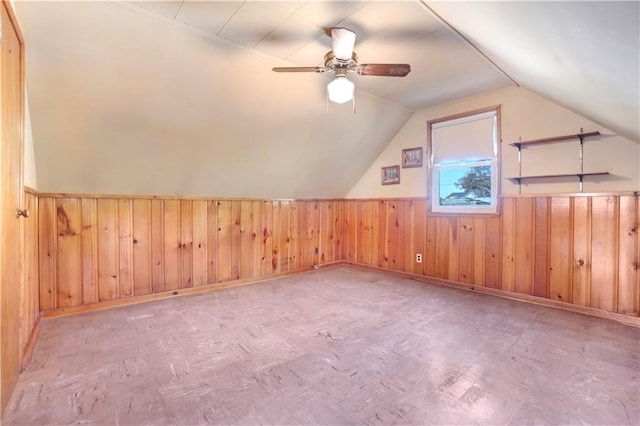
384 70
299 69
342 42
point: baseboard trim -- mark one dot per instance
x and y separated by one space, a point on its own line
31 343
520 297
134 300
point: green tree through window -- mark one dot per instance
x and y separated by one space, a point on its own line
476 181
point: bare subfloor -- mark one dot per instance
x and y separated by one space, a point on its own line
336 346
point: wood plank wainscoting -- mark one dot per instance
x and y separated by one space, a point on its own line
576 251
580 249
94 249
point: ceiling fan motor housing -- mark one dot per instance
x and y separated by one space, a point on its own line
337 65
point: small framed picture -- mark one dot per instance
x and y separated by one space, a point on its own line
390 175
412 157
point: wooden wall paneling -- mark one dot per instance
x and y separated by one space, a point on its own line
324 234
429 257
256 238
479 231
236 237
628 263
364 236
284 238
360 205
329 233
246 239
310 243
302 220
89 226
443 234
47 223
541 247
339 229
393 225
383 234
108 286
366 248
420 233
294 237
29 295
351 230
493 255
452 273
400 249
604 252
142 269
315 234
157 246
69 252
581 250
321 236
199 237
508 243
266 250
225 228
172 245
409 253
524 243
466 250
581 260
375 232
276 228
212 242
125 248
33 273
636 264
186 244
560 249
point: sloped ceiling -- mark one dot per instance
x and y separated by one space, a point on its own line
179 98
584 56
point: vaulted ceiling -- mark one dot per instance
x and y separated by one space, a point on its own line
178 97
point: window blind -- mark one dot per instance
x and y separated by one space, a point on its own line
467 138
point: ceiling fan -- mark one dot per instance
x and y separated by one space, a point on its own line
341 60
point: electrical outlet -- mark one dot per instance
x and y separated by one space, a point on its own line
418 257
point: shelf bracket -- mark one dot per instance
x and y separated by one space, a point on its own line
519 166
581 137
580 177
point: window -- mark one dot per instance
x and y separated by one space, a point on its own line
463 162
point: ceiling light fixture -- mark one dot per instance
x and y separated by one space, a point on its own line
340 90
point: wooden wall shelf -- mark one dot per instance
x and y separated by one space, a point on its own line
520 144
580 136
519 179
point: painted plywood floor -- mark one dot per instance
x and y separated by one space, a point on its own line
336 346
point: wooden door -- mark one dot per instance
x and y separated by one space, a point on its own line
11 93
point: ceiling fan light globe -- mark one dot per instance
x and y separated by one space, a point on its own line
340 90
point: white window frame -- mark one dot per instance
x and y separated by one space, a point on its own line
434 168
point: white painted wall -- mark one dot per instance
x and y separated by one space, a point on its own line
527 116
139 106
29 173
